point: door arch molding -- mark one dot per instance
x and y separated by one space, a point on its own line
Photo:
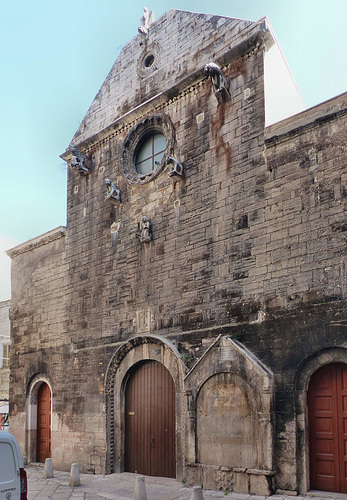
31 414
303 377
135 350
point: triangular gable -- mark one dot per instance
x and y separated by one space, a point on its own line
180 43
230 355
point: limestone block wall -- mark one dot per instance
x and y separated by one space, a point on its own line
249 244
178 280
304 207
38 298
117 286
300 270
44 352
38 321
181 44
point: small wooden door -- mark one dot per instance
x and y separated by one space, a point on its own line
43 448
327 411
150 421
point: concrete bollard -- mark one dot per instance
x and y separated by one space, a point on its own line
48 470
75 476
197 493
140 489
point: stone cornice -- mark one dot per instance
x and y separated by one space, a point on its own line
39 241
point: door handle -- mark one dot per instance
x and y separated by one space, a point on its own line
152 440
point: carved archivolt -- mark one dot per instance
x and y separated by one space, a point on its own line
228 389
303 377
137 349
33 387
152 124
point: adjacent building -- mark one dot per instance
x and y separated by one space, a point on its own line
194 307
4 363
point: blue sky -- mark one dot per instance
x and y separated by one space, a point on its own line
55 56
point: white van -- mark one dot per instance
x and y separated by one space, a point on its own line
13 478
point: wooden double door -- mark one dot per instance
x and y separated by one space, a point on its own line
43 441
150 421
327 411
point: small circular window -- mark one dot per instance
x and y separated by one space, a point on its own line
149 60
146 148
149 153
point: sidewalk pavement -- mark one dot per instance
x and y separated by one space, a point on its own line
121 487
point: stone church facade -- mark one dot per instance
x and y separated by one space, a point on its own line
190 319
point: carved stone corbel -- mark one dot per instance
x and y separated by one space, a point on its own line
177 168
113 194
146 234
80 162
220 84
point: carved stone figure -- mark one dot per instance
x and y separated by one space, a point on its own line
146 230
177 168
80 162
219 83
145 22
113 194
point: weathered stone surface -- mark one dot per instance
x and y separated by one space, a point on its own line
260 485
241 482
240 292
181 43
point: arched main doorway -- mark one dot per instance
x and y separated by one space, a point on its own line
150 421
327 414
43 441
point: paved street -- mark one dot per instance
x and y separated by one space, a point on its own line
121 487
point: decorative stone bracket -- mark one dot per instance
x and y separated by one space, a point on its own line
177 168
144 231
220 84
113 194
146 234
80 162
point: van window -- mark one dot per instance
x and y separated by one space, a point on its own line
8 468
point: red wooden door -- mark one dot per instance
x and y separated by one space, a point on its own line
43 448
150 421
327 410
